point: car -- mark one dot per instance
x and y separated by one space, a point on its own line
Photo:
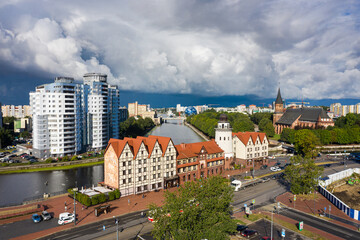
249 233
264 166
45 215
65 218
266 238
271 157
278 164
265 179
36 218
240 228
275 169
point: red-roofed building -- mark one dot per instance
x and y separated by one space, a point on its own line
199 160
137 165
249 147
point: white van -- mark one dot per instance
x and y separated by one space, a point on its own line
236 184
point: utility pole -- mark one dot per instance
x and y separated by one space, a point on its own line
272 217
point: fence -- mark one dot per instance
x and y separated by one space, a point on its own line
333 199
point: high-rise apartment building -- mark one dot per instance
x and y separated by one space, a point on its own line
20 111
70 117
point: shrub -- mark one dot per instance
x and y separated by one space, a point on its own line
94 200
111 196
74 158
87 201
65 159
117 193
49 160
102 198
5 164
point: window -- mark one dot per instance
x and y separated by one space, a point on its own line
154 159
124 181
145 188
154 176
139 189
167 158
139 170
167 166
153 186
172 165
189 177
129 180
172 157
194 175
145 177
159 159
139 162
124 164
144 161
139 179
154 168
124 172
159 167
159 175
184 178
129 172
144 169
159 184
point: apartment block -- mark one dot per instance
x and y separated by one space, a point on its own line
70 117
19 111
138 165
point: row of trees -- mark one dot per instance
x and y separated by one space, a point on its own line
133 128
207 122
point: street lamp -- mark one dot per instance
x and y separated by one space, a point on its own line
117 228
75 190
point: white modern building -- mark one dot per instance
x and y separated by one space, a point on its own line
19 111
71 117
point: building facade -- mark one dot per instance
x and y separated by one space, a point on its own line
140 165
20 111
199 160
250 147
304 117
342 110
71 117
223 136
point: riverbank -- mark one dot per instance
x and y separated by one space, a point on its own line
52 166
197 131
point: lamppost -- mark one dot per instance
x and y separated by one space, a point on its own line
75 190
272 216
117 228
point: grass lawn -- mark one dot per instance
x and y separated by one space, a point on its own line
54 168
276 137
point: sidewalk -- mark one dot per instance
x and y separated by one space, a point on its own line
316 208
119 207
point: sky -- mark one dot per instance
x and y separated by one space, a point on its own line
182 50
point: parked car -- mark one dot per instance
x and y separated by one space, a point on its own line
264 166
65 218
33 160
266 238
265 179
249 233
45 215
275 169
36 218
271 157
240 228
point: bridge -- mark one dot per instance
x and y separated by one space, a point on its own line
174 118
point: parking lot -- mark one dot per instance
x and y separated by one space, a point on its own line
263 227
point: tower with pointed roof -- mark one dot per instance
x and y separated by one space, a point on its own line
279 108
223 136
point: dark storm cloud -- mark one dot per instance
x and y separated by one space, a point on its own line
211 48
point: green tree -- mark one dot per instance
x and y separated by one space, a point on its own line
25 134
8 120
6 137
302 174
257 117
266 126
305 142
198 210
288 135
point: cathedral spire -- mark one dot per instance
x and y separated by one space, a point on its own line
279 98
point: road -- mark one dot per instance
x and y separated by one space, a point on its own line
263 194
323 225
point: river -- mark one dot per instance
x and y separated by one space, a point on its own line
16 188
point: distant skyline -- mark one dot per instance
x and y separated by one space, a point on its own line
204 50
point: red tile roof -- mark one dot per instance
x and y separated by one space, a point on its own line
188 150
135 143
244 136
